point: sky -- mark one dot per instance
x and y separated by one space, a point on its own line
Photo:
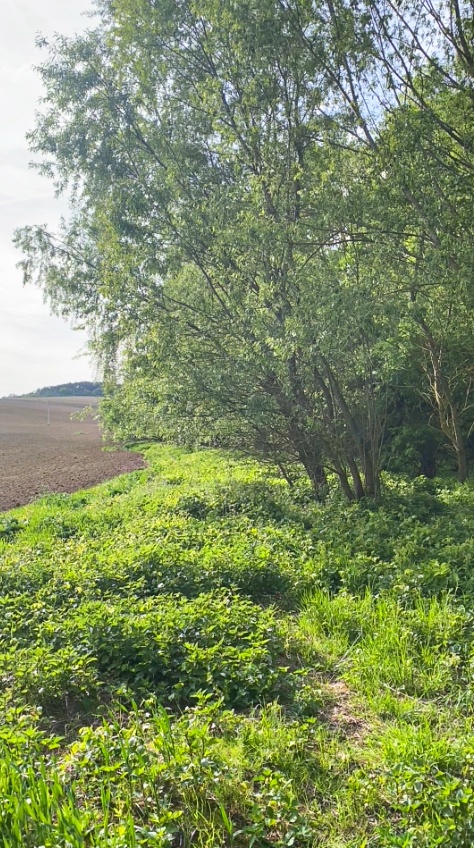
36 349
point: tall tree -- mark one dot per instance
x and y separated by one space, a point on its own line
266 195
202 148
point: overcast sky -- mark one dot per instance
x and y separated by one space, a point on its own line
35 349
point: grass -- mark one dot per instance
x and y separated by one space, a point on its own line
196 655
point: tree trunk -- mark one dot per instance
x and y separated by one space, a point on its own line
449 418
463 468
315 472
372 482
344 482
362 448
357 479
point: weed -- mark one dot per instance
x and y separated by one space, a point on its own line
231 664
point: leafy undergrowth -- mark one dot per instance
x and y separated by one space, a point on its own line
198 655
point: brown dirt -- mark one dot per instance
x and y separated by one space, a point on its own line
37 457
341 715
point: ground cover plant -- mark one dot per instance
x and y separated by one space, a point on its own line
198 654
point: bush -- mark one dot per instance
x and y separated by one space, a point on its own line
216 644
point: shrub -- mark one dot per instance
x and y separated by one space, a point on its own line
217 644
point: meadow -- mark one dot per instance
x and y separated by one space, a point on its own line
198 654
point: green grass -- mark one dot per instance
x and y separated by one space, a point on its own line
197 655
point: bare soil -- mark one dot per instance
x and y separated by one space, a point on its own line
44 450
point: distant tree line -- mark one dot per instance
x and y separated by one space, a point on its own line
81 389
272 235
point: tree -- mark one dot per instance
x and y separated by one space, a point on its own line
196 180
258 220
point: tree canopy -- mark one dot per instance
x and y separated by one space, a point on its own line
271 234
83 388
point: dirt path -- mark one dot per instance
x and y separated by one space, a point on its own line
42 450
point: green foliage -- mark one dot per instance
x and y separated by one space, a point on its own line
427 784
142 778
9 527
84 388
245 285
229 663
271 243
215 644
420 651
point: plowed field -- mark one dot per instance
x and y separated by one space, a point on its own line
43 450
